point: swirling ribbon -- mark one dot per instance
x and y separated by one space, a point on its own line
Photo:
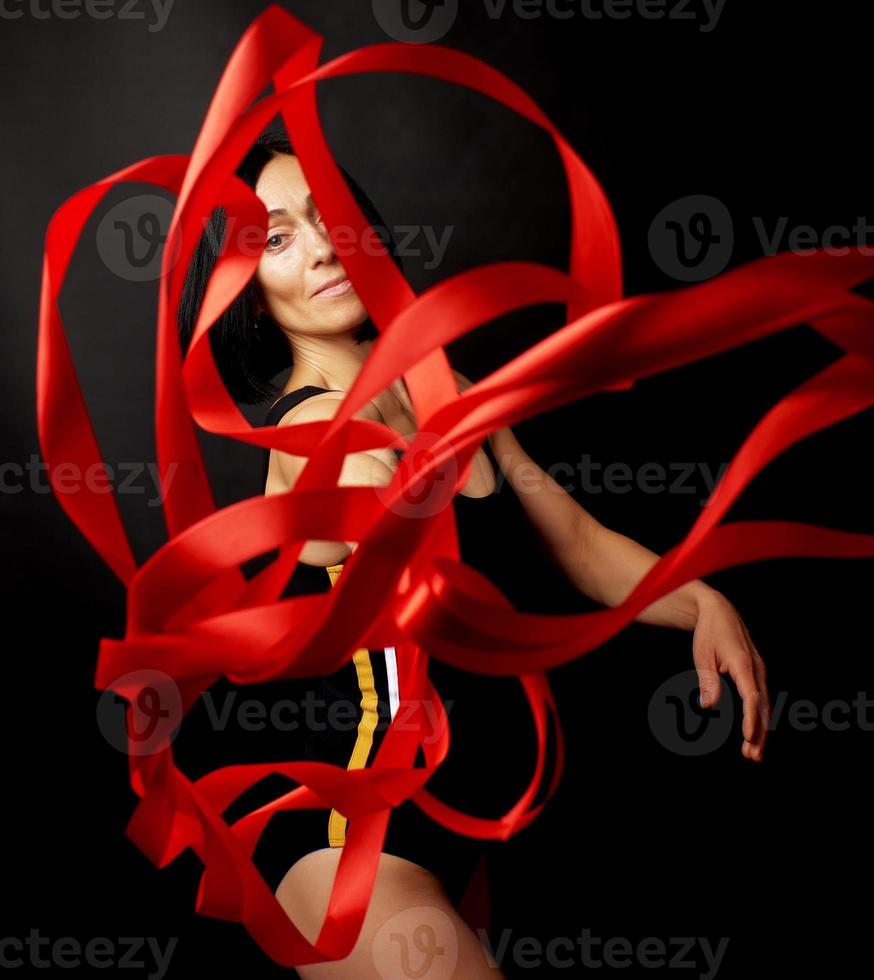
191 613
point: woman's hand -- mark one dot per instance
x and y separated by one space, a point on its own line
721 644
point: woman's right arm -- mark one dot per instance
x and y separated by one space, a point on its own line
374 467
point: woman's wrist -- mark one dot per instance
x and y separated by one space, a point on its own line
705 597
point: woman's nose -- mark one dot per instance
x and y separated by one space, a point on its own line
319 244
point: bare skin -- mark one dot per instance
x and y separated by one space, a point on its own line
410 929
298 260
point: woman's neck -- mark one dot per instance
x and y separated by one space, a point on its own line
327 362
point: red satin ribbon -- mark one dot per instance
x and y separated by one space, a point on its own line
192 614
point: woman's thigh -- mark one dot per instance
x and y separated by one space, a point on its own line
411 929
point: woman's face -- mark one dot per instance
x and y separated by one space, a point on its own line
299 260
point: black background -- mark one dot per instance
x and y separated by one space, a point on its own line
766 112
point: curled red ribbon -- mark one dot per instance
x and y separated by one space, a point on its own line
192 614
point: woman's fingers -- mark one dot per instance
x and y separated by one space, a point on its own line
722 644
756 709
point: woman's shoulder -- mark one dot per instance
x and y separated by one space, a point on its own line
312 403
290 400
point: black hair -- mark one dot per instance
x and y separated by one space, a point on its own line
247 358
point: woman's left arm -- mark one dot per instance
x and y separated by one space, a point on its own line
607 565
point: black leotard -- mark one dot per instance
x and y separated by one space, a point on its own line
492 741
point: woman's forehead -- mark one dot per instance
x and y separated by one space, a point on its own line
282 184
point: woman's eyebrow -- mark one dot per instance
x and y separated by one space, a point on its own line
282 213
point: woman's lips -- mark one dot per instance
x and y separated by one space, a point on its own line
338 290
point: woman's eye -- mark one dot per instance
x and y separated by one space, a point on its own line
274 241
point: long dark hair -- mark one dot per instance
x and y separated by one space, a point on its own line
249 359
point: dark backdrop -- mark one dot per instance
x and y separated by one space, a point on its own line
767 113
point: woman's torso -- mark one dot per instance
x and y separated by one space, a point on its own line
489 714
395 411
494 533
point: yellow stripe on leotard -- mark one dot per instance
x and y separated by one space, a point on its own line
366 727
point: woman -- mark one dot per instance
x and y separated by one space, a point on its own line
300 310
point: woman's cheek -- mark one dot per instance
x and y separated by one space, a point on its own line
274 275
